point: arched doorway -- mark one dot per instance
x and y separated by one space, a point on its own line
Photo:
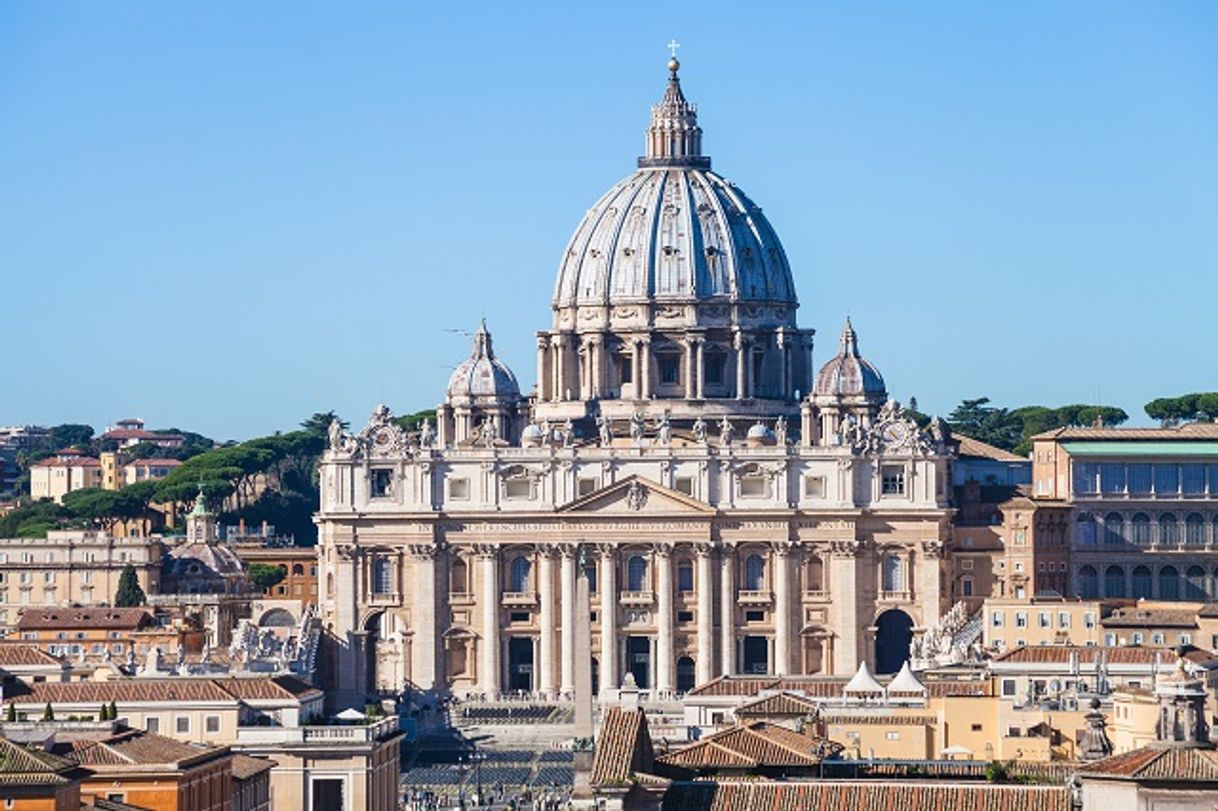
685 674
893 633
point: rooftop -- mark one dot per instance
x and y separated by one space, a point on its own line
758 744
1153 763
967 446
865 796
34 619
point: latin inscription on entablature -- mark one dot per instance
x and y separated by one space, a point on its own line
824 530
753 530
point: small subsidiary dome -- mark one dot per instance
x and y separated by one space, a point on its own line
849 374
482 374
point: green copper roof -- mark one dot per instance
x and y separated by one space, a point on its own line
1141 448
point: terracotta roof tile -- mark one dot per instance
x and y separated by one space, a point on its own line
754 745
1155 763
1192 430
25 655
967 446
119 691
1087 655
35 619
623 747
863 796
245 767
778 704
137 747
20 765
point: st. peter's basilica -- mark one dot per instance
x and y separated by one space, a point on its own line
734 510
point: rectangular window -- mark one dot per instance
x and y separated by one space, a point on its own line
814 486
1156 638
152 724
966 587
458 488
975 727
625 368
713 374
382 483
754 616
1021 619
586 486
1086 477
685 577
1112 477
684 484
518 488
182 725
685 616
1138 478
753 486
1110 639
670 370
1063 619
212 724
1045 620
1167 480
892 480
1089 620
1137 638
966 565
1186 639
518 616
1008 687
1192 479
996 619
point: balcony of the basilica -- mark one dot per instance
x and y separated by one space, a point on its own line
636 598
519 599
755 597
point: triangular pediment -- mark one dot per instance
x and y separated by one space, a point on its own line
636 495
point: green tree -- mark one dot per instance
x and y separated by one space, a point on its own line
70 435
1207 405
11 714
113 711
411 422
130 594
994 426
48 714
105 508
319 423
266 576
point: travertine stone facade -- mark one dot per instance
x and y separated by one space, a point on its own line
732 511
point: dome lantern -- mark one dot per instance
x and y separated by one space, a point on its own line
674 137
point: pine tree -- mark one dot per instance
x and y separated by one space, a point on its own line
113 713
48 714
129 594
104 714
11 716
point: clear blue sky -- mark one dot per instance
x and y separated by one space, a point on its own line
227 216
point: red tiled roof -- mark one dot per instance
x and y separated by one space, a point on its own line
754 745
153 463
24 655
22 766
623 747
864 796
167 689
1134 617
36 619
1087 655
1191 430
137 747
967 446
1159 763
245 767
70 461
264 688
778 704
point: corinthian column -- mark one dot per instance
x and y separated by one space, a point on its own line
664 657
727 610
706 621
742 355
567 682
545 656
782 608
607 572
488 679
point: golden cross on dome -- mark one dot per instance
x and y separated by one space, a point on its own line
672 46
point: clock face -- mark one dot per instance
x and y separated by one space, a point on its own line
895 433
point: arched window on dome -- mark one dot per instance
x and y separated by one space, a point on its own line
754 573
636 574
518 574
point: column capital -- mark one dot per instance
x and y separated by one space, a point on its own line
932 549
567 550
347 551
421 551
607 551
704 550
662 550
784 548
845 548
543 341
486 550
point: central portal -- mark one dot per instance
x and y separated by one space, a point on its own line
638 655
520 664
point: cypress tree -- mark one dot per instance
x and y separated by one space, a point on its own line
129 594
48 714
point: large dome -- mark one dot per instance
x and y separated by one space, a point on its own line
674 231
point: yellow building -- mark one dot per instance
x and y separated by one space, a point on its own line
58 475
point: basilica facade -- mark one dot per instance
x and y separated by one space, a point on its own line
734 509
